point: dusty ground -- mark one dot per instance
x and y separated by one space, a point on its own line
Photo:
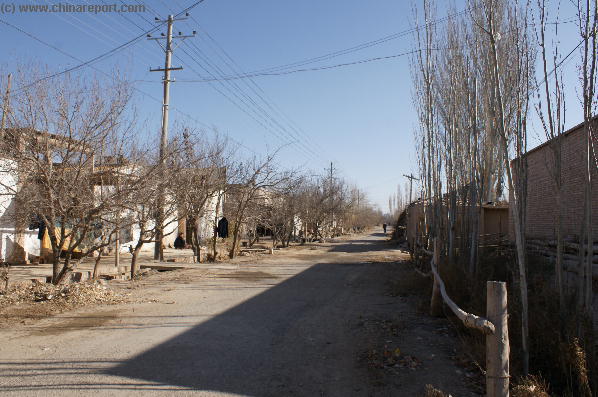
340 319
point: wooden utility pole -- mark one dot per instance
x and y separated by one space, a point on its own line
168 48
497 343
5 106
411 179
331 198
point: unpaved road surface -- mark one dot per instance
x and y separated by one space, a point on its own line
308 321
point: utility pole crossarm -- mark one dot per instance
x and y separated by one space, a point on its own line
331 187
163 70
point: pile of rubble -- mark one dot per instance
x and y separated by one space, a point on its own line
74 294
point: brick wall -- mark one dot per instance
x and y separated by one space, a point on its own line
541 208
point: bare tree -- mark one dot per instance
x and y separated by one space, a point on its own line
507 84
59 132
473 124
203 175
587 16
254 184
551 111
423 76
157 186
280 211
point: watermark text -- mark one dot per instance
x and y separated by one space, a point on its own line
67 8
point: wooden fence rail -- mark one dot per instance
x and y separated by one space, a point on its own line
495 327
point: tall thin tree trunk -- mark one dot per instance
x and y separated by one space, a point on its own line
55 267
66 269
96 266
233 249
589 251
558 269
214 241
475 235
134 264
451 228
520 247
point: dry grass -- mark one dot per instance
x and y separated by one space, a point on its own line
531 386
577 358
431 391
564 361
410 283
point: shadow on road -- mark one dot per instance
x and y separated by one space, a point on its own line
283 338
295 338
292 336
365 245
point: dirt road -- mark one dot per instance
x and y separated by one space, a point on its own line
307 321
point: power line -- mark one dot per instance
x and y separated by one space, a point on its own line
76 67
558 65
283 69
243 99
231 91
355 48
178 110
159 100
254 88
239 94
328 67
85 28
94 59
236 68
82 25
247 103
187 115
340 65
257 108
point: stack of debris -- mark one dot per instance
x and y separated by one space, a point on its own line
75 294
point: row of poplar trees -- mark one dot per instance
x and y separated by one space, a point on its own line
477 78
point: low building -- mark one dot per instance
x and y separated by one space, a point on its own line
18 244
202 222
21 240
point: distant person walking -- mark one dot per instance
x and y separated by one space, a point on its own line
222 228
384 227
179 242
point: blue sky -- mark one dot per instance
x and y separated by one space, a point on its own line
360 117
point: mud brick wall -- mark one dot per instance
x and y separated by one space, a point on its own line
542 207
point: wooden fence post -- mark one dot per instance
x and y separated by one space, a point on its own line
436 301
497 343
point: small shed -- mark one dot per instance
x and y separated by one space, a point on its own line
494 223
